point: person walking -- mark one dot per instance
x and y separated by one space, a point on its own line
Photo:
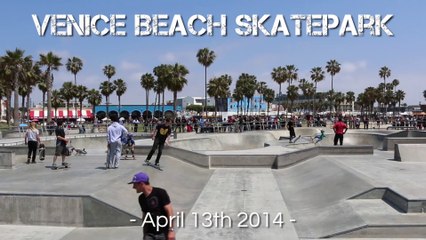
290 127
32 139
116 132
155 204
61 145
160 136
339 129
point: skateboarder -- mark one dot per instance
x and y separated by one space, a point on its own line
61 145
129 146
318 137
155 203
160 136
290 127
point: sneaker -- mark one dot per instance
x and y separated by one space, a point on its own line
157 164
65 164
33 162
147 160
54 166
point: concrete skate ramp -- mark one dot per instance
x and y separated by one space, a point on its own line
315 192
373 139
410 152
89 195
232 141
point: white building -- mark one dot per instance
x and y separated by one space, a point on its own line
186 101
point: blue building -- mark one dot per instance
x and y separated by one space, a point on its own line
136 111
257 104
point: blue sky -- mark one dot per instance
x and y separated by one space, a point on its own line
361 57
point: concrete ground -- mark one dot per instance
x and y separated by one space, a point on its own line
310 200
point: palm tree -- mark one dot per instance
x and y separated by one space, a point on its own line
67 93
107 88
384 73
163 73
81 94
269 96
350 98
109 71
219 88
333 67
121 88
205 57
395 83
261 86
28 81
317 75
56 101
74 65
52 62
147 82
248 84
292 94
94 98
43 88
291 73
13 64
279 75
238 96
176 82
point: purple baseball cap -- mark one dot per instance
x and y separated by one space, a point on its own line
140 177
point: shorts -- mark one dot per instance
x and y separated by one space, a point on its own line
59 150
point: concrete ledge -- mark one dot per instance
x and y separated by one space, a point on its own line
390 142
7 159
288 159
61 210
194 158
410 152
394 200
223 161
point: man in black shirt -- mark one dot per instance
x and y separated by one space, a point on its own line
160 136
156 209
61 144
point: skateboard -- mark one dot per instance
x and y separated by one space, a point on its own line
125 158
295 140
153 166
41 153
61 167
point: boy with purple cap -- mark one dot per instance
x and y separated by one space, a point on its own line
157 210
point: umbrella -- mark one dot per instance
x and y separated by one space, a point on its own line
81 120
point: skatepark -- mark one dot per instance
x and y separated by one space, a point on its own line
257 184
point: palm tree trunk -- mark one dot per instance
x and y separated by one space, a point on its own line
146 109
119 106
9 108
81 109
28 105
68 111
23 108
174 103
107 106
16 103
42 104
205 90
49 96
162 106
